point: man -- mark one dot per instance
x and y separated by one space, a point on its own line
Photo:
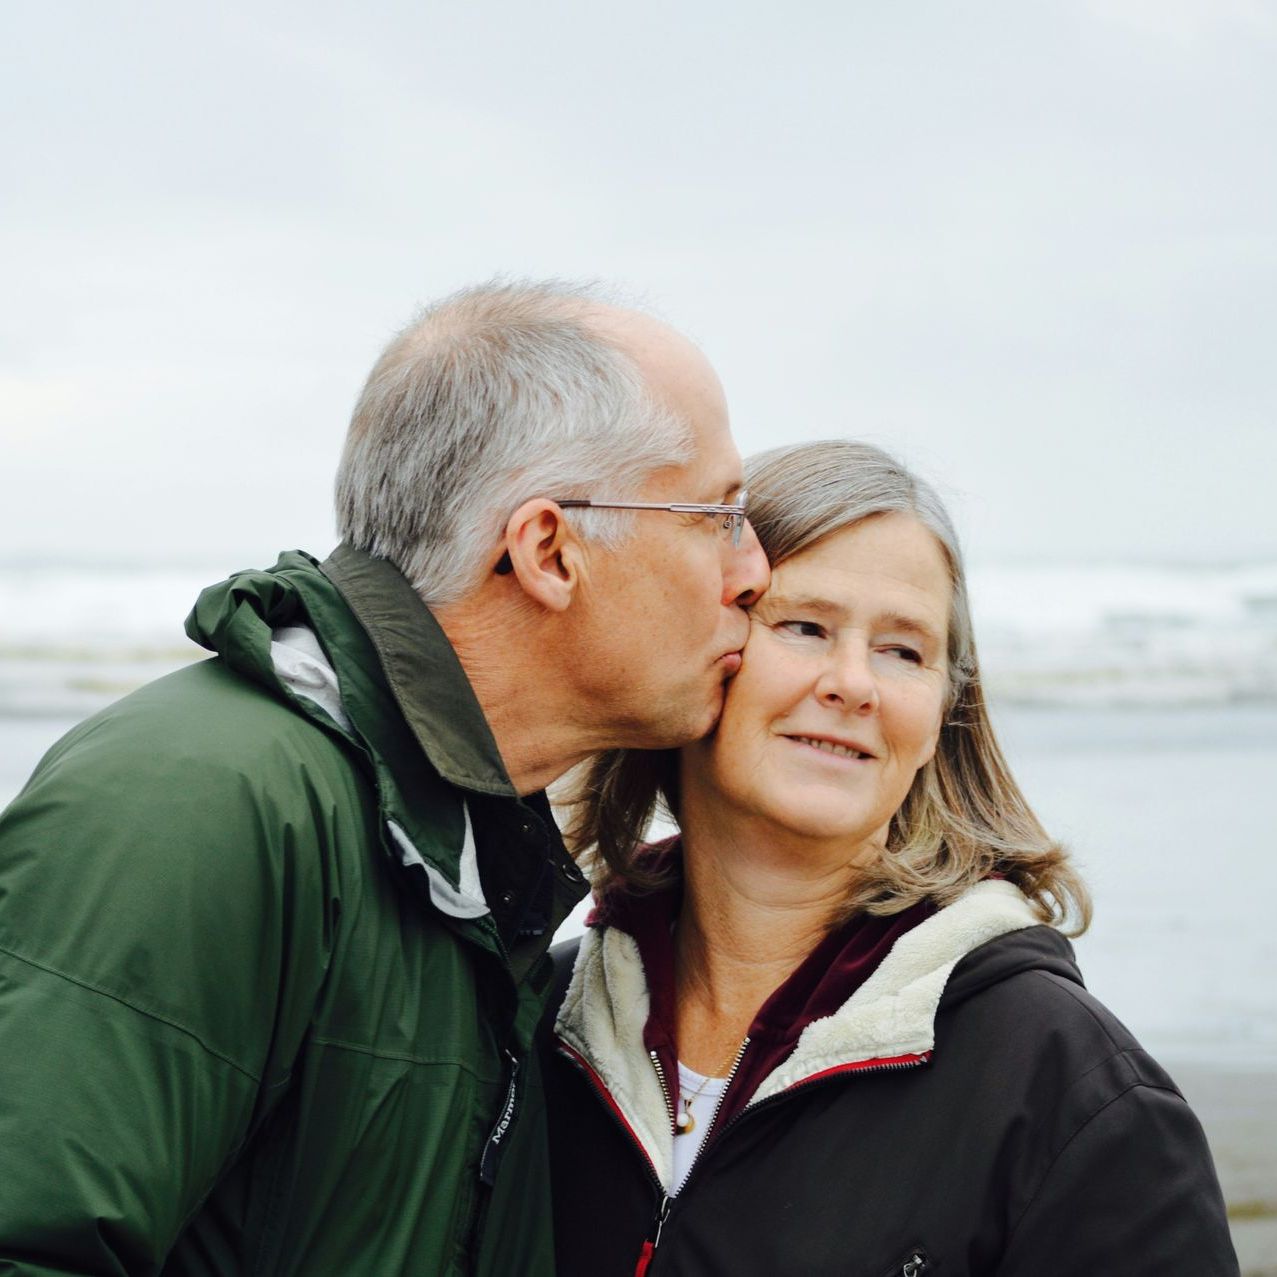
273 929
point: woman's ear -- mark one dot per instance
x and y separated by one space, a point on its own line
542 553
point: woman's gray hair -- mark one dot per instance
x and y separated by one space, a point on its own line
801 493
496 394
964 819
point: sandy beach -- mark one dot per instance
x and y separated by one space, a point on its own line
1239 1113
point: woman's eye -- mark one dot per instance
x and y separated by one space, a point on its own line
804 629
906 654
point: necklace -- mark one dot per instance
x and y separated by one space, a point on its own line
685 1122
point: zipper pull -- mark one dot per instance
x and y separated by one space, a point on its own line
649 1246
915 1266
492 1149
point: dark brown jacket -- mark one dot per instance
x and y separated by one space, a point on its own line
970 1110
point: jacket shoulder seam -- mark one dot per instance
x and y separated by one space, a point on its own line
1134 1084
168 1021
1123 1051
1071 990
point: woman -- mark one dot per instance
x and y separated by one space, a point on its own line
833 1029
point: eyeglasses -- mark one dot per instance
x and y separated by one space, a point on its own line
733 515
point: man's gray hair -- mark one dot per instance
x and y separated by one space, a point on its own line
496 394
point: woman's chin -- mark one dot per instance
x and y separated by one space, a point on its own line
824 824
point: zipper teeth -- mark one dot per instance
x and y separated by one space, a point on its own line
596 1084
709 1130
889 1067
740 1055
893 1067
665 1089
867 1068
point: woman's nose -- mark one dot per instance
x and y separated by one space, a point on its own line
847 682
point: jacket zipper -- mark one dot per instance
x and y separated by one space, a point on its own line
731 1074
490 1158
891 1066
816 1079
647 1254
609 1103
665 1201
665 1090
649 1247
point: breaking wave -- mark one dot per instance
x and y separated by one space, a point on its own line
73 638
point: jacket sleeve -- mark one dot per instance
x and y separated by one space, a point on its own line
152 990
1132 1192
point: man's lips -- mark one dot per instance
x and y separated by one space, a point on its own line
729 662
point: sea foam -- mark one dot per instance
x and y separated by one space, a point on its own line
74 637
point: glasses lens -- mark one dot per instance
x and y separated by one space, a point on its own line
738 520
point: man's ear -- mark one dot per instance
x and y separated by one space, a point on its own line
543 553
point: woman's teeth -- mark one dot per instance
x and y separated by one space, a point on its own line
843 751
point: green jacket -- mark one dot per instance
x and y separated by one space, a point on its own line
256 1015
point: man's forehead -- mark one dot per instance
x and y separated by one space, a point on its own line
678 374
717 461
674 368
642 337
714 470
708 480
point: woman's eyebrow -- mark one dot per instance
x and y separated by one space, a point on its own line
901 621
802 603
815 604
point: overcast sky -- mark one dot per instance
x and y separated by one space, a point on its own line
1031 247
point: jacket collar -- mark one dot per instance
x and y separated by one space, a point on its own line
512 847
424 815
820 984
423 672
889 1018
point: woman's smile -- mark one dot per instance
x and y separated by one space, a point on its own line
846 751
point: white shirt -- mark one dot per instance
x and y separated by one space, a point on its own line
704 1094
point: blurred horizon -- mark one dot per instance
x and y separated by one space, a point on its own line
74 636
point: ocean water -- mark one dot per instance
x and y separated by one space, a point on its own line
1167 811
1117 635
1127 635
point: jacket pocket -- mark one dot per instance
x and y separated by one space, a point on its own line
913 1263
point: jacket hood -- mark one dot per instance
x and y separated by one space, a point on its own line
425 823
235 617
1035 948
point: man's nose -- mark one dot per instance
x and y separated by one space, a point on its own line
746 573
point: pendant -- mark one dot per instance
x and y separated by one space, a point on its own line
685 1121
